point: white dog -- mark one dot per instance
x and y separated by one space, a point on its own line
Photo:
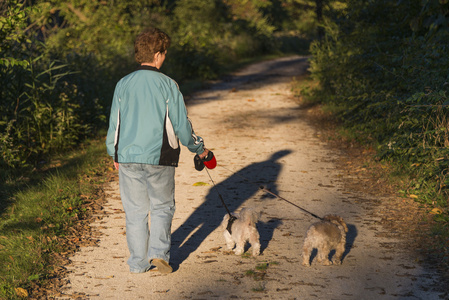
243 229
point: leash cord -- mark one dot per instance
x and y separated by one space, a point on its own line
232 218
219 195
304 210
270 192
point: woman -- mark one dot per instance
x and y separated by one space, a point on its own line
148 119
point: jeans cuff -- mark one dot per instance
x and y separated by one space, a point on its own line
137 271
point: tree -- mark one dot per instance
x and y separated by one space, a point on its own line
13 28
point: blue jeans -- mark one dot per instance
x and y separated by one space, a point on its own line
147 189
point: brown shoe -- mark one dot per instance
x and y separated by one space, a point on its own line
162 266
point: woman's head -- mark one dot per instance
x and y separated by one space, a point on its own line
149 43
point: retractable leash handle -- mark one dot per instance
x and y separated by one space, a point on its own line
199 165
209 161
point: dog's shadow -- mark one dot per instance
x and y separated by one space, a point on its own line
350 239
266 231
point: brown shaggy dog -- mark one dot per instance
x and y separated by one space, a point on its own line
326 235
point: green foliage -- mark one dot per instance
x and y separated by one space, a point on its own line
208 35
46 205
13 20
40 115
60 59
44 110
383 66
249 15
301 15
101 29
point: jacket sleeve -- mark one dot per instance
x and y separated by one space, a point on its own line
114 122
181 123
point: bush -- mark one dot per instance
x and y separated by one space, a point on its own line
383 66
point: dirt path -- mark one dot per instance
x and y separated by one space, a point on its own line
257 132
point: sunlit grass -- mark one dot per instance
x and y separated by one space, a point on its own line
42 207
259 272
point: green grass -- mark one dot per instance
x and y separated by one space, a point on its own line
38 209
262 267
260 271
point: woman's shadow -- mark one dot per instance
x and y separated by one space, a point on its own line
235 190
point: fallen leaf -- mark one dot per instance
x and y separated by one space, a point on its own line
200 184
21 292
436 211
413 196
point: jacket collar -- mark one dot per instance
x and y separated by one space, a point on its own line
149 68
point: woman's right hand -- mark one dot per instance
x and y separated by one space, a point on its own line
204 154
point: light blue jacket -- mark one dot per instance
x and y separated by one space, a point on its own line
148 119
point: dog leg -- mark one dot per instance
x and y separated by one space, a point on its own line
230 245
306 250
229 241
322 256
339 254
256 248
254 241
240 248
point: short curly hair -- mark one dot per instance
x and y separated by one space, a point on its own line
148 43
